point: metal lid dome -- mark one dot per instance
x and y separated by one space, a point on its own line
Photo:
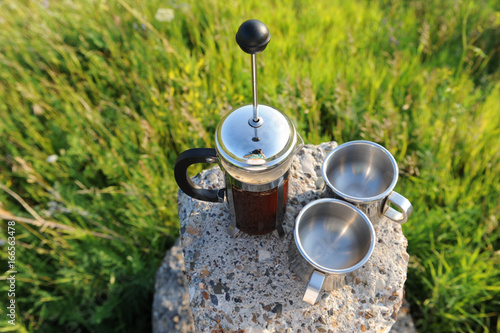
256 148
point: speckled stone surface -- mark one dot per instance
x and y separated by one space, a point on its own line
171 310
244 284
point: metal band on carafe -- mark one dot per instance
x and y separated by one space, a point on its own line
259 187
279 207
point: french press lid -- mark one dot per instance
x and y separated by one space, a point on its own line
256 137
255 148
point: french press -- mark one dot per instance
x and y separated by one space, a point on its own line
254 146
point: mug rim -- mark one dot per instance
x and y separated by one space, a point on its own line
355 199
324 269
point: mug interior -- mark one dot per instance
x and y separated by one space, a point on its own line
361 170
335 236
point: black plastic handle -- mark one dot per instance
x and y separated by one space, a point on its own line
193 156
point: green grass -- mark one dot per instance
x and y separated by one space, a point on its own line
117 95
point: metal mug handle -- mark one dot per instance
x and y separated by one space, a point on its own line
187 158
403 204
311 295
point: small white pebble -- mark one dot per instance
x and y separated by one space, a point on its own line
264 255
380 284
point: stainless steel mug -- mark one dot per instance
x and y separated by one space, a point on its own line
365 173
331 238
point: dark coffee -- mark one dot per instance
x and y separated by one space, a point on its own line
256 211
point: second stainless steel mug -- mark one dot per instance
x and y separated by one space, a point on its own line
365 173
331 238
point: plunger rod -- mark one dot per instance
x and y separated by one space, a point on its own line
254 88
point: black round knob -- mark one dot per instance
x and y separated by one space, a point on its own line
253 36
